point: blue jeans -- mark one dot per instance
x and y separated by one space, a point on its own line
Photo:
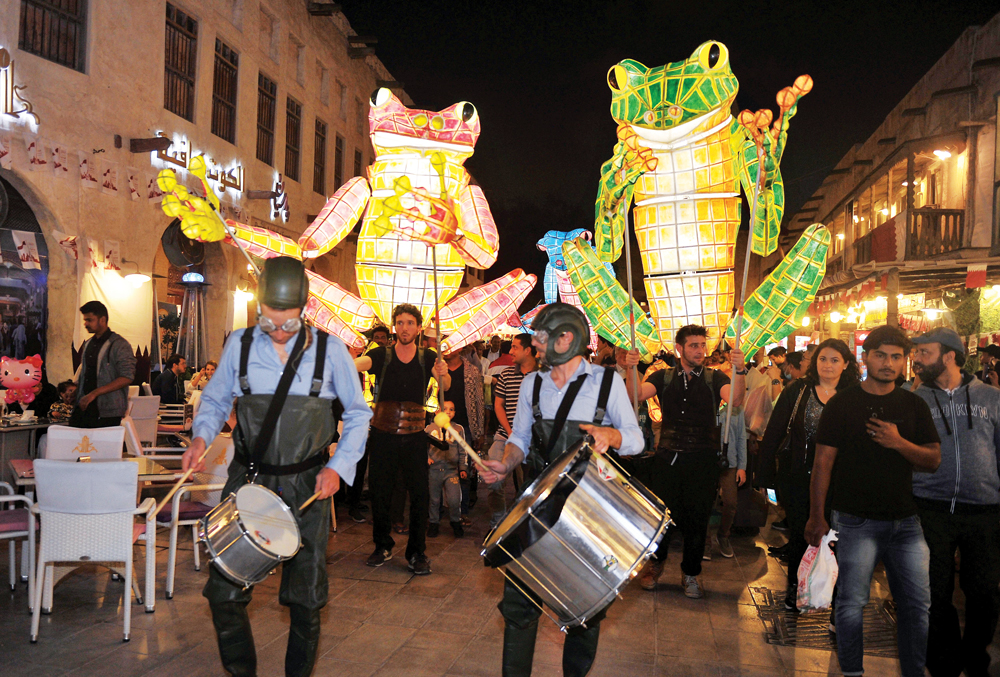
900 545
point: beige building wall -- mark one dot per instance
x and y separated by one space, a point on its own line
121 92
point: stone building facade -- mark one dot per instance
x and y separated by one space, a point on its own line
269 91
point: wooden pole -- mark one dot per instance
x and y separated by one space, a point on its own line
631 318
746 273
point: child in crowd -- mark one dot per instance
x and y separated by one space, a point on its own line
61 411
447 464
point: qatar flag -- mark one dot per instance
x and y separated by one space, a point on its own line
975 276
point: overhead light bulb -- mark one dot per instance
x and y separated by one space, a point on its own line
836 317
840 236
943 154
805 321
884 211
905 183
137 279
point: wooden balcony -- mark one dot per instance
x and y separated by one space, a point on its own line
927 233
932 232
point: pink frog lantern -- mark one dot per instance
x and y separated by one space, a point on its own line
20 377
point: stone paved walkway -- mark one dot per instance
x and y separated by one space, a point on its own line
386 622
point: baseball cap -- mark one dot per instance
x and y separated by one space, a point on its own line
948 338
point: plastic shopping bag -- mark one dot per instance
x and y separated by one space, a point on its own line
757 409
817 576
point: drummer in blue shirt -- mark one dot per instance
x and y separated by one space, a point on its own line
566 384
294 464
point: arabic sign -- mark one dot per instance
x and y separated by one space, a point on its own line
180 154
279 203
11 101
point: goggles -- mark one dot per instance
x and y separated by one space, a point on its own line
291 325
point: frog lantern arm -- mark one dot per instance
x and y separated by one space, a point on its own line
751 130
337 218
614 196
477 242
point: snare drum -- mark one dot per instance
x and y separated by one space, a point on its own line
250 533
577 535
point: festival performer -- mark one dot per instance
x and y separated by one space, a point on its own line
397 440
556 408
687 463
295 463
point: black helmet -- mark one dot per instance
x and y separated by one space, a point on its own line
554 320
283 284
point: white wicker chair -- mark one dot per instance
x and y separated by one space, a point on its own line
69 444
203 495
87 513
17 523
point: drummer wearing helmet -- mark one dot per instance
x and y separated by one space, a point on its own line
558 406
255 366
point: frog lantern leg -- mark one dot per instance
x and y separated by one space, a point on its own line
682 157
417 196
558 285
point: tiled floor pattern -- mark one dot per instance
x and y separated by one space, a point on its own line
386 622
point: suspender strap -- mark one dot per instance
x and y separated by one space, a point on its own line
563 412
245 341
536 410
277 403
317 382
603 395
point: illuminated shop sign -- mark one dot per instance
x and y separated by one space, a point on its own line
11 102
180 154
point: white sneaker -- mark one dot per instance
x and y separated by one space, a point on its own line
707 555
692 587
725 547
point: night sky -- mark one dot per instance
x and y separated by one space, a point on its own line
537 74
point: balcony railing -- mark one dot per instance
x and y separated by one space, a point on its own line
930 232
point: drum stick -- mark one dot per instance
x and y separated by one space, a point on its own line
182 480
309 502
444 422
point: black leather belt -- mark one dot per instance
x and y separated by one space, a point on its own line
291 469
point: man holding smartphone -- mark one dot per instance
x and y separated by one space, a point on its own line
871 438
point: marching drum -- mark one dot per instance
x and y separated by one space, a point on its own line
250 533
578 533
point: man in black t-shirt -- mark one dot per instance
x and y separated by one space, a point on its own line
871 438
396 440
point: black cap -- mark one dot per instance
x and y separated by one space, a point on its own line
283 283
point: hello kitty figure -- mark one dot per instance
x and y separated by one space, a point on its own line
20 377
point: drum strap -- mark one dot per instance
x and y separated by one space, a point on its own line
267 428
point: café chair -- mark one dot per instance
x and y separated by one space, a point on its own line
88 517
145 411
17 523
203 495
96 444
135 447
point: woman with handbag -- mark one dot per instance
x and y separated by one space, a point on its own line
789 440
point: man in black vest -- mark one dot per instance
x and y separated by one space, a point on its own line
566 400
284 429
686 467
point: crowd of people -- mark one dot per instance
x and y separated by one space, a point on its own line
905 471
